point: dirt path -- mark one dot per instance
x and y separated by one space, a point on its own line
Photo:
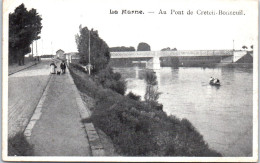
59 131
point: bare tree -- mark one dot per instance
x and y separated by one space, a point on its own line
151 94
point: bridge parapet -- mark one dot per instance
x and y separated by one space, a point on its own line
151 54
133 54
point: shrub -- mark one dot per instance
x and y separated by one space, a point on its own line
151 94
107 78
118 86
18 146
150 78
78 67
111 80
116 76
137 130
131 95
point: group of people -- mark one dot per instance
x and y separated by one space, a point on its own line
214 80
62 67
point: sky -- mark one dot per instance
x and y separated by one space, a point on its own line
61 20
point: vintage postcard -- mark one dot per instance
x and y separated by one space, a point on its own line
130 80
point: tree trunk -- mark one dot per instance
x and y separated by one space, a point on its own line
22 57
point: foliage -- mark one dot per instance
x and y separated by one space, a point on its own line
169 49
150 78
18 146
107 78
244 47
151 94
99 51
136 130
47 56
143 47
24 27
78 67
121 49
166 49
111 80
131 95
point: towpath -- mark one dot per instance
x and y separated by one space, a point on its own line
57 129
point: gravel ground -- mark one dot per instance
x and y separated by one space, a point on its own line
25 89
59 131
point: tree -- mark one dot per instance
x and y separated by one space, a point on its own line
169 49
121 49
142 46
24 27
166 49
244 47
99 50
151 94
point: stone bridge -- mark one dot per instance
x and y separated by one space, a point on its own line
153 59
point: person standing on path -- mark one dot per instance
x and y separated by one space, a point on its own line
53 68
63 67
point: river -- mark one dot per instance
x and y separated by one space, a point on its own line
223 115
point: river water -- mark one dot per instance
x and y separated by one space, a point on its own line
223 115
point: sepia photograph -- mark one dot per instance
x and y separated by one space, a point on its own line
128 80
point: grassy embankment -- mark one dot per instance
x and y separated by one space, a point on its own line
19 146
135 129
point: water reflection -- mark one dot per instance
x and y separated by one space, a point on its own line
223 115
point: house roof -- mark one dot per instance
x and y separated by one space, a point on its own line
72 53
59 50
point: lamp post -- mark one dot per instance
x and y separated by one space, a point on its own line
233 46
89 64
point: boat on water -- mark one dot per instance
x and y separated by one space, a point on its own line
214 83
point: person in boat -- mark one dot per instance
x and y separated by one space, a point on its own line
53 68
216 80
211 79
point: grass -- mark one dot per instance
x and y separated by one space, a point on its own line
135 128
19 146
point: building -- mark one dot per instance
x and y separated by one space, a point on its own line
60 54
72 57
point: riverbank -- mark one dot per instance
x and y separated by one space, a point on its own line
186 93
136 130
